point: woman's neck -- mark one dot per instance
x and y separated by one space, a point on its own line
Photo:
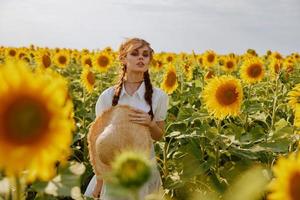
134 77
132 87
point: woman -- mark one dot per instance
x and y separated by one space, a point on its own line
135 89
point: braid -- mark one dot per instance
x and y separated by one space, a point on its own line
149 92
118 87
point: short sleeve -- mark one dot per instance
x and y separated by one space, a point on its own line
160 113
103 102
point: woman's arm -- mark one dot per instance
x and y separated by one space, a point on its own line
157 129
97 188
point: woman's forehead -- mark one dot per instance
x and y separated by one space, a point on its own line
138 46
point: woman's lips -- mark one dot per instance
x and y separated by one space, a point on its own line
141 64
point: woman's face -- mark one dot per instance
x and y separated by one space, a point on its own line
138 60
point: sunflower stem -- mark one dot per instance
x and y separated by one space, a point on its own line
181 83
136 195
247 113
85 152
274 106
18 194
217 147
165 161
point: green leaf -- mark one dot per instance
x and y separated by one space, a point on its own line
243 153
278 146
282 129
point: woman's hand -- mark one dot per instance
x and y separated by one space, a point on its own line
141 117
97 188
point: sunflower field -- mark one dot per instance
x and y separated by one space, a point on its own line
232 130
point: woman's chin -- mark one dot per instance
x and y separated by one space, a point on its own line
139 69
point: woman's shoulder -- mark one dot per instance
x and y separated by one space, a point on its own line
108 92
157 92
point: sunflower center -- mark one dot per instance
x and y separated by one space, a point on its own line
209 75
277 68
211 58
21 55
159 64
62 60
26 119
294 188
12 52
88 62
171 79
226 94
229 64
91 78
186 67
169 58
278 56
290 68
254 70
46 61
200 60
103 61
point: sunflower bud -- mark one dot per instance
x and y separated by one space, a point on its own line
132 170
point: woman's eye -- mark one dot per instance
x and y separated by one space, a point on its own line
134 53
145 55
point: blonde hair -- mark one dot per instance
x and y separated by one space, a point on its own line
127 46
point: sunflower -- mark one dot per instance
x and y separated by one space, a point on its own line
294 97
209 75
230 64
108 49
183 56
43 59
169 58
102 61
62 58
75 55
286 183
251 53
297 117
296 56
276 56
88 79
11 52
87 60
252 70
187 69
170 83
132 169
209 59
289 65
2 50
223 96
275 67
23 54
199 59
157 62
35 121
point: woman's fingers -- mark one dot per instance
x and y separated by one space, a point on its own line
136 115
140 122
137 110
139 117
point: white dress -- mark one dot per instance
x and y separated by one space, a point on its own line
137 100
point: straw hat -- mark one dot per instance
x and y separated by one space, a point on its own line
112 133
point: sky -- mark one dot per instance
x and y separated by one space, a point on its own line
224 26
